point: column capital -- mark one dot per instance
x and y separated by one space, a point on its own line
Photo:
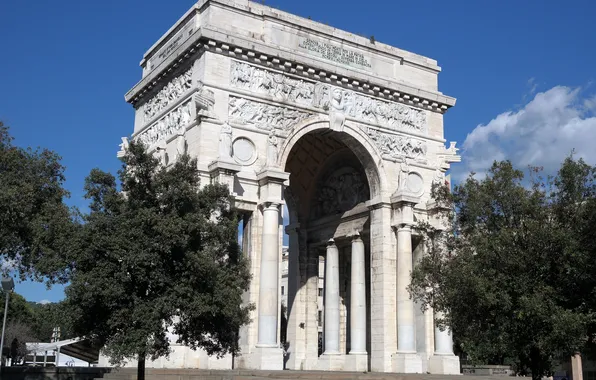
355 236
331 243
270 205
403 227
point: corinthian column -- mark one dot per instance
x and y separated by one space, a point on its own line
268 288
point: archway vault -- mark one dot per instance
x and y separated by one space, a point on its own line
350 137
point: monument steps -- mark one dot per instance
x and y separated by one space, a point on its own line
197 374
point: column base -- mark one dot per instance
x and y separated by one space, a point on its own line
444 365
406 363
357 362
331 362
266 358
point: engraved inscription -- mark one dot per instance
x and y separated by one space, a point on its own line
335 53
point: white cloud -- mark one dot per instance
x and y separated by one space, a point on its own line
542 133
45 302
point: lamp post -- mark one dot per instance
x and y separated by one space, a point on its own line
7 287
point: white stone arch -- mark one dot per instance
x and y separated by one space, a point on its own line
355 139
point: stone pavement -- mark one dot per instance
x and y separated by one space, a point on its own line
196 374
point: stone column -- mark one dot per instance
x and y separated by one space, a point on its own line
405 305
443 339
331 328
269 276
443 362
358 360
267 354
406 360
331 359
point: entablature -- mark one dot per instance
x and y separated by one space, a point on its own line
206 39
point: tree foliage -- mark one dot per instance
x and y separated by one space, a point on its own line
34 221
158 255
513 272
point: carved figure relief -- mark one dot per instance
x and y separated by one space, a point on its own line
181 144
123 147
404 172
340 192
321 95
167 126
337 117
264 116
397 146
272 144
225 142
162 154
204 100
170 92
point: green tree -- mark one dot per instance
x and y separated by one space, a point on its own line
160 255
504 273
49 316
34 221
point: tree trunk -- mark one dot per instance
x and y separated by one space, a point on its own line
536 364
141 367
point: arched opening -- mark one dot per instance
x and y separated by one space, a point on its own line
333 177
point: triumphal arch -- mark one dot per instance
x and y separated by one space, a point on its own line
347 134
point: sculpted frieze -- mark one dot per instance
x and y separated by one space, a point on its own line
172 123
337 101
396 146
169 93
264 116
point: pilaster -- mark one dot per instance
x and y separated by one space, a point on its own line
382 283
224 171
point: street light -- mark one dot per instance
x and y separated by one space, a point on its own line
7 287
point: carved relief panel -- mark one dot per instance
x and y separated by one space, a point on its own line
340 192
335 100
172 91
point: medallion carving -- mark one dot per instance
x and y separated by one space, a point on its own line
337 101
396 146
340 192
168 94
172 123
264 116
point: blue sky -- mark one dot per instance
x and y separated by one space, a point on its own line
522 73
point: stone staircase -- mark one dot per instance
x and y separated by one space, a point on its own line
197 374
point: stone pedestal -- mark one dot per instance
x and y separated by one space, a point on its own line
406 363
356 362
443 365
331 362
265 358
224 171
443 362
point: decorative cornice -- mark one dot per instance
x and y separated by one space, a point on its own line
396 92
